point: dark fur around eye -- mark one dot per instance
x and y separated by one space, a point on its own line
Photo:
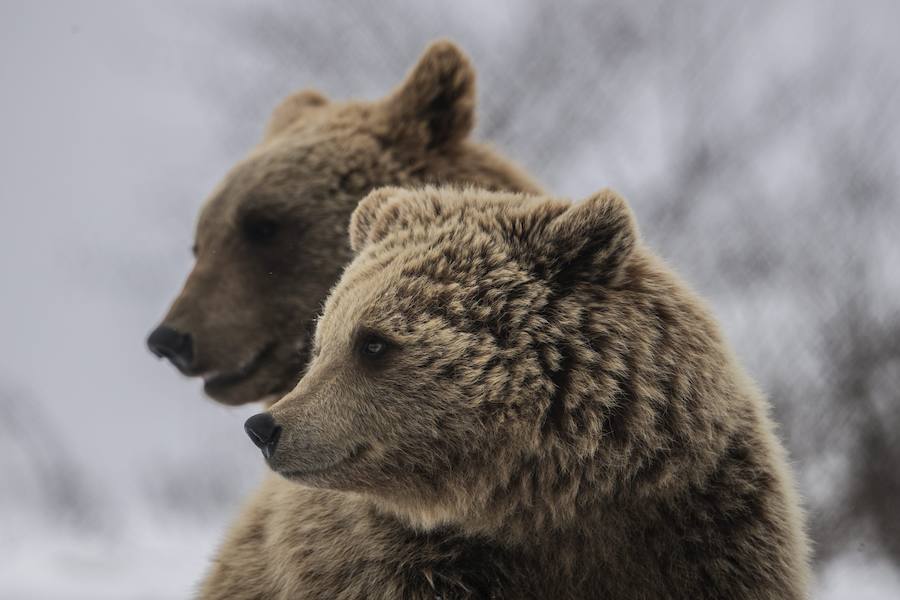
371 346
259 229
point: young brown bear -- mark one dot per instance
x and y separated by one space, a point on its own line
271 240
512 397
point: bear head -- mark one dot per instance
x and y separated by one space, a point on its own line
489 354
270 241
523 370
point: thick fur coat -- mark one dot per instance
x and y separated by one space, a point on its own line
512 397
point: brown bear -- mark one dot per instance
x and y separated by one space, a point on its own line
271 241
512 397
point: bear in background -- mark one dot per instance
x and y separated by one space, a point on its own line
271 240
512 397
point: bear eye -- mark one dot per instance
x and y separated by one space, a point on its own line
372 346
259 229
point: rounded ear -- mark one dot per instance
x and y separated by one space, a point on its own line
290 109
435 105
593 239
367 221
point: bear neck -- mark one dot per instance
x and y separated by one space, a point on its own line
466 164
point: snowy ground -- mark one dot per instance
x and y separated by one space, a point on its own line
143 563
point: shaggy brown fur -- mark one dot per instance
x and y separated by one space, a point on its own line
271 240
512 397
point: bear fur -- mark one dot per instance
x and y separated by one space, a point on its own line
512 397
271 240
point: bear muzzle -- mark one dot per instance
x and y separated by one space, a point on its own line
264 432
175 346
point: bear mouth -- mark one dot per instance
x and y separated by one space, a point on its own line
356 453
218 382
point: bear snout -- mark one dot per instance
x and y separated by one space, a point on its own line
176 346
264 432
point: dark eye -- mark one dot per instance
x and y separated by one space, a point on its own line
373 346
259 229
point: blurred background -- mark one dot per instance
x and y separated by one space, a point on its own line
759 144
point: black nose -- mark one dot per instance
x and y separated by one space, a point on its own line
264 432
166 342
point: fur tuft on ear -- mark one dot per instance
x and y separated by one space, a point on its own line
593 239
290 109
435 105
366 222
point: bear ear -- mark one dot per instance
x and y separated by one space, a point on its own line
435 105
370 221
291 108
592 240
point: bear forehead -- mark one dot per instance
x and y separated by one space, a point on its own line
496 213
281 175
428 300
461 266
459 224
454 251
